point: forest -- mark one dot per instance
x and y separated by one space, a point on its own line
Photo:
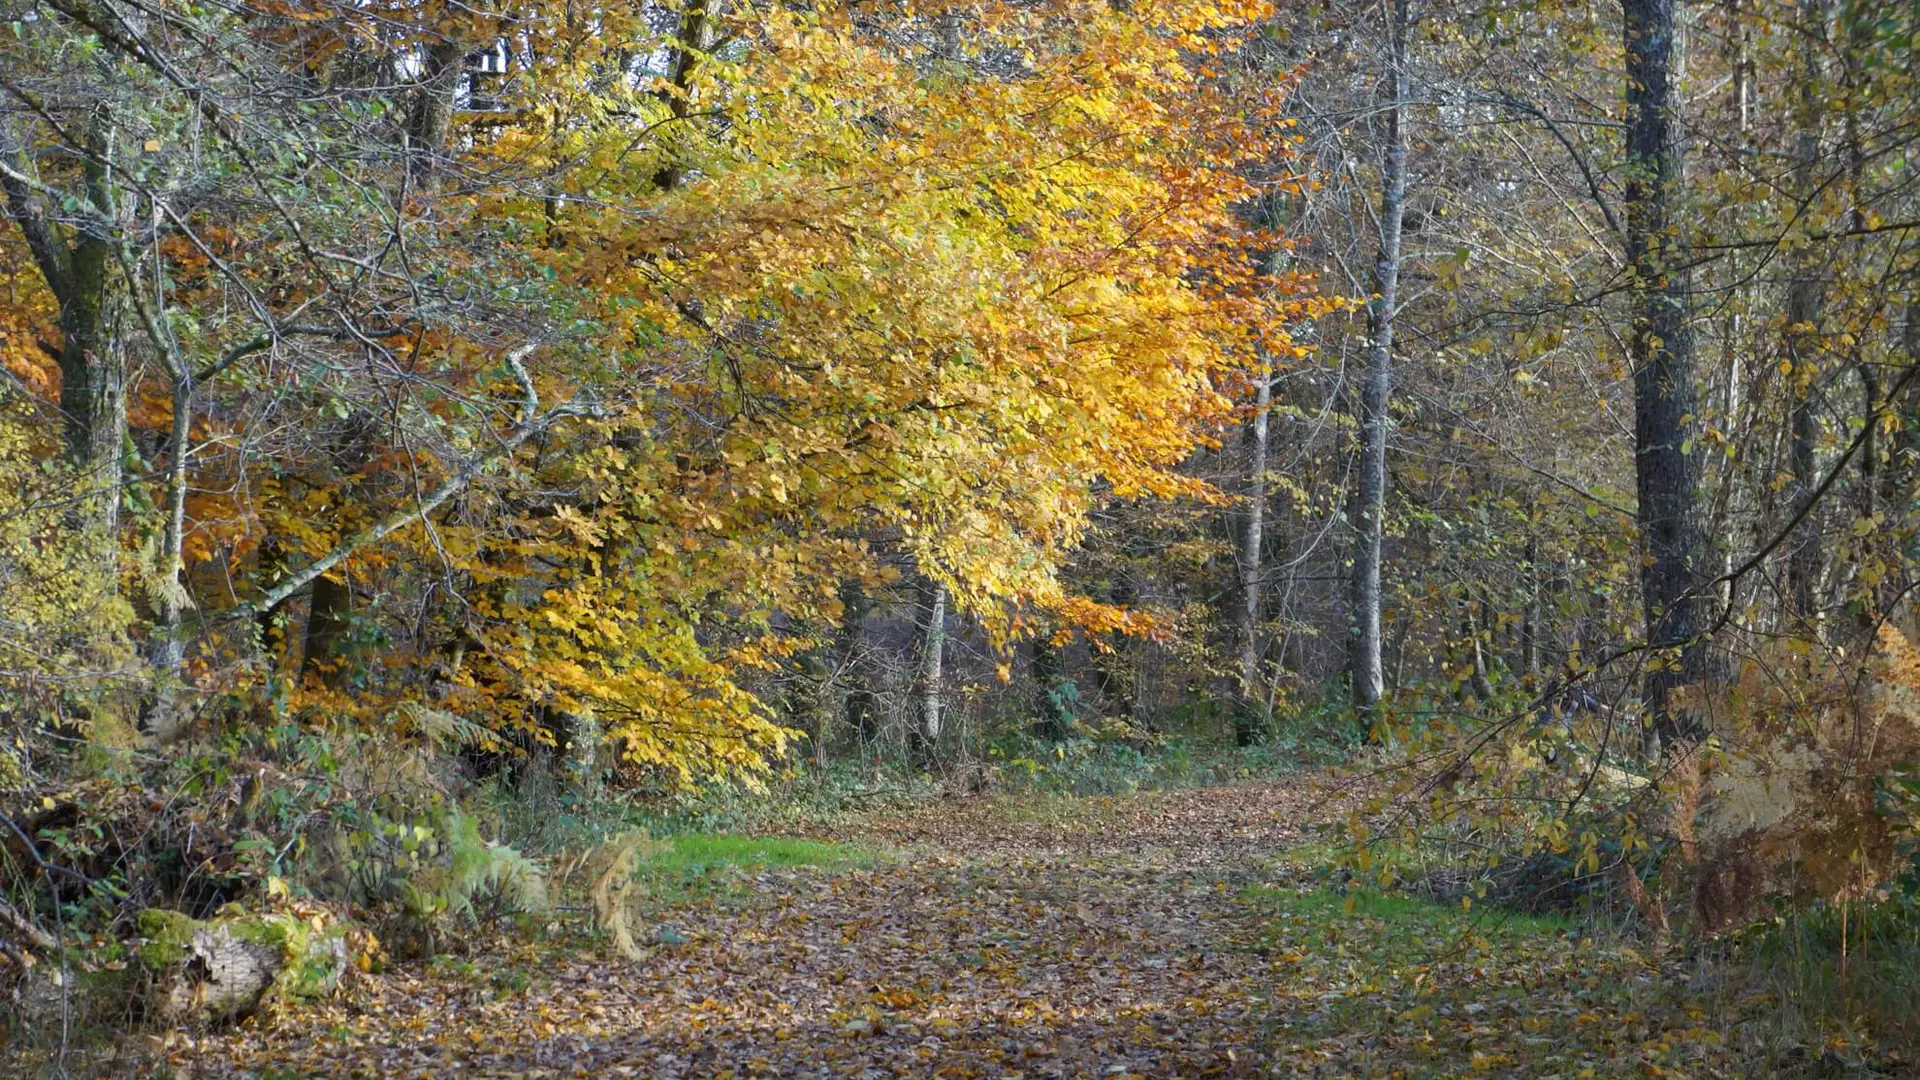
961 538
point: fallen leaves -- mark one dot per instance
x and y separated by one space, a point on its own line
1008 944
1160 935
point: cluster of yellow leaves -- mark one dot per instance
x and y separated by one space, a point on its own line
846 286
59 619
915 290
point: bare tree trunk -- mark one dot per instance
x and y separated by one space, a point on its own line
1804 562
1667 469
168 648
1370 502
933 646
1532 609
1251 720
1478 632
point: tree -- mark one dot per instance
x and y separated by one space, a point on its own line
1661 347
1252 720
1376 390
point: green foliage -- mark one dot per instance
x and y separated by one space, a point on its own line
437 869
705 853
716 866
62 624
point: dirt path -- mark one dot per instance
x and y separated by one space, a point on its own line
1079 938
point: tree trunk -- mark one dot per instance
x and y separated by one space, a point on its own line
93 390
690 40
856 705
1532 611
82 272
329 616
1804 561
933 646
1477 633
810 699
1114 674
168 648
430 119
1370 495
226 968
1251 721
1667 468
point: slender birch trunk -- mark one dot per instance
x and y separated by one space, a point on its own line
1251 720
1370 504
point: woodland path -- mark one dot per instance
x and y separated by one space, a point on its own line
1083 937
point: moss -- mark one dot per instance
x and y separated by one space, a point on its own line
168 935
314 958
316 970
283 932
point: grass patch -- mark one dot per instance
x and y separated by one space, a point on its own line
708 867
1374 984
1390 925
694 853
1828 970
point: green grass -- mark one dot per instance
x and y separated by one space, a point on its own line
1797 962
695 853
1390 923
712 867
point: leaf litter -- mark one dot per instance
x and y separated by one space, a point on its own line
1162 934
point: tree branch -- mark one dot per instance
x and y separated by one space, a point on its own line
530 423
50 252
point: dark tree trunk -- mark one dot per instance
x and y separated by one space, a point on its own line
80 268
857 704
1804 559
329 618
430 118
93 386
689 41
1667 468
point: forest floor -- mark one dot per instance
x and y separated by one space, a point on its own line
1166 934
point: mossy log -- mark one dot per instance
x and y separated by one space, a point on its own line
227 967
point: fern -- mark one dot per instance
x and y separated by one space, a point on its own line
480 867
439 729
443 869
614 862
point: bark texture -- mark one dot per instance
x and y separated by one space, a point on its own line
1370 495
1251 720
1667 467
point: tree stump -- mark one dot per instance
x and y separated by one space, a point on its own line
226 968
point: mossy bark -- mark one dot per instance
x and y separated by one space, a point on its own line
226 968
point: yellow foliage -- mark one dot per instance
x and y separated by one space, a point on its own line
60 619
